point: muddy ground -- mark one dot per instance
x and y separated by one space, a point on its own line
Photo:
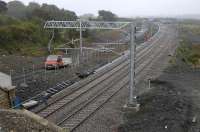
170 105
39 80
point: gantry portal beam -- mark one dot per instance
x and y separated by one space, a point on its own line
85 25
81 24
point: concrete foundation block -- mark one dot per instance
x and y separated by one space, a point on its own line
131 108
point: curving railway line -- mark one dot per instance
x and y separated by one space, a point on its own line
73 106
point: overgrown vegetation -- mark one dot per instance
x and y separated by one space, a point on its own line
189 49
21 27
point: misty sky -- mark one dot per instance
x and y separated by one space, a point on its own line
128 7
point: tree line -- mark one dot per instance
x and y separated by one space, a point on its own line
48 12
21 26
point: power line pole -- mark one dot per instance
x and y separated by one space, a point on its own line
81 39
132 87
50 42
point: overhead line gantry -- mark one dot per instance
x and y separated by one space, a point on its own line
84 24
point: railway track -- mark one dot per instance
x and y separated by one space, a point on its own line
39 71
77 86
82 108
78 116
91 79
85 90
30 72
52 108
145 51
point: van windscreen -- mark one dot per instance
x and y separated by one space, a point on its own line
52 58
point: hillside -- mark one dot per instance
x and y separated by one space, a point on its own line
21 28
24 37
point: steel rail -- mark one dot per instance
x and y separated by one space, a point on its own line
140 70
99 82
140 58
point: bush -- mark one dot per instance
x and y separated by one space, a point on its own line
17 34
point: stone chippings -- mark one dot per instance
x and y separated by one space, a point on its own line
18 121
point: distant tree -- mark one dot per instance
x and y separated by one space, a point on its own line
69 15
33 6
52 12
30 9
88 16
46 12
107 15
41 14
3 6
16 9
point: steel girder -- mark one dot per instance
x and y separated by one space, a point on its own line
85 25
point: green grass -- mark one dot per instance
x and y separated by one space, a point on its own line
195 29
189 51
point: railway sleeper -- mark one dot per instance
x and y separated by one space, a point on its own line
52 89
51 92
63 85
